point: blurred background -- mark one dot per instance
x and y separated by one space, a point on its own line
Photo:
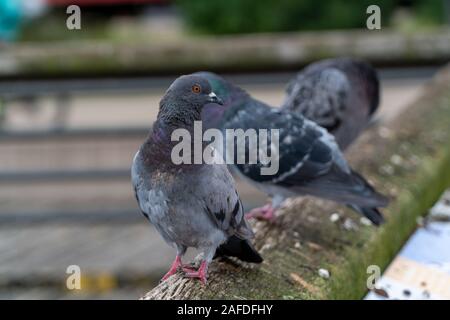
76 104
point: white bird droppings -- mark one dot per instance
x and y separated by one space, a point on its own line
324 273
349 225
365 222
335 217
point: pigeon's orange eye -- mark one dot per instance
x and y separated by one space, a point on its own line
196 88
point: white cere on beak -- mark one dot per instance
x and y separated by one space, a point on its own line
212 95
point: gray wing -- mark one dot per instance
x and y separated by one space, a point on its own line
310 161
305 150
135 181
222 203
140 181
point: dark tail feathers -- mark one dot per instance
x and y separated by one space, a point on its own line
373 214
239 248
370 193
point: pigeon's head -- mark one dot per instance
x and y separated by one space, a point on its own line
193 90
186 97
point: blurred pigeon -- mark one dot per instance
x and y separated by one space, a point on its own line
340 95
310 161
191 205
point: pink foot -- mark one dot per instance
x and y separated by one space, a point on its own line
264 213
188 269
173 268
200 273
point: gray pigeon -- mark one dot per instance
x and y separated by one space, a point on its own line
310 161
191 205
340 95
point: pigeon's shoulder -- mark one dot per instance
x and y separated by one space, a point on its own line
246 114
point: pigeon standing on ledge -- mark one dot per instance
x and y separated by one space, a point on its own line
191 205
340 95
310 161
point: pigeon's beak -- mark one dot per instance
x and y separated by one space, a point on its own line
215 99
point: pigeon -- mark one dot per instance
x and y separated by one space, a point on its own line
341 95
310 160
190 205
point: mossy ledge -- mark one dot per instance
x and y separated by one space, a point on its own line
407 158
226 53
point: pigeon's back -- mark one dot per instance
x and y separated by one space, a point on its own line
338 94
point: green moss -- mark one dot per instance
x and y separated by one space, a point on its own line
421 190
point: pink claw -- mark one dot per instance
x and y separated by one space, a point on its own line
264 213
200 273
173 268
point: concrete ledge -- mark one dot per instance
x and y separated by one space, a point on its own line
407 158
243 53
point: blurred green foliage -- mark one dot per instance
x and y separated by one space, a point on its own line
243 16
430 12
247 16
